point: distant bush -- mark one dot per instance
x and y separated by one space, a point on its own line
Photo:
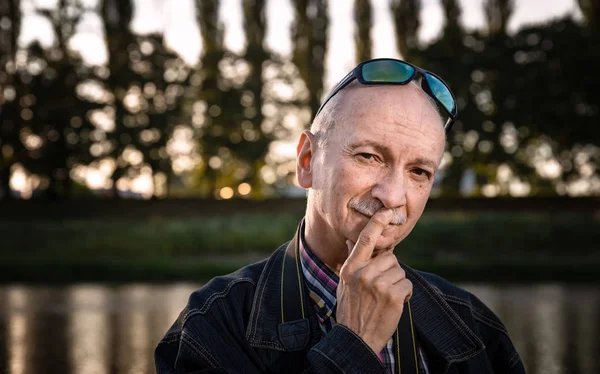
460 235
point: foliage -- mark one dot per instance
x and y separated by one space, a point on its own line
526 103
147 124
364 22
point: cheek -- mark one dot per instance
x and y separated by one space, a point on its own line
418 197
351 181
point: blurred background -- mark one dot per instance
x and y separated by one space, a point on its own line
148 145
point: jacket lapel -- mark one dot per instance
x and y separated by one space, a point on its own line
268 326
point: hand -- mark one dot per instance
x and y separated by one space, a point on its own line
372 291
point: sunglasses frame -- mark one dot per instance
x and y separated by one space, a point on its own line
356 73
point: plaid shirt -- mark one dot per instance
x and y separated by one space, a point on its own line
322 284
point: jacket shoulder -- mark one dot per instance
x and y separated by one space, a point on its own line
460 298
220 287
232 291
217 312
483 321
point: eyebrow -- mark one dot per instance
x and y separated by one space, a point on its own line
384 150
424 161
378 147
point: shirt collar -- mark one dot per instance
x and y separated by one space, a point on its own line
321 281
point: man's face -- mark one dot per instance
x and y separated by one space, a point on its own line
382 153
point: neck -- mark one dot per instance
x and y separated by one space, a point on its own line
324 242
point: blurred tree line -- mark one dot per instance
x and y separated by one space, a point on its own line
147 124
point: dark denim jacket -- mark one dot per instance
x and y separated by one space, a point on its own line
231 326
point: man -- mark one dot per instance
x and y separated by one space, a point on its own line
335 298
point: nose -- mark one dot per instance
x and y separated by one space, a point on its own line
391 190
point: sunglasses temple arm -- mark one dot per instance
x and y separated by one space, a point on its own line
448 125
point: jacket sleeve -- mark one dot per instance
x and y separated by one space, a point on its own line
341 351
174 356
504 356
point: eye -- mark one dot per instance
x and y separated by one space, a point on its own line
367 157
421 173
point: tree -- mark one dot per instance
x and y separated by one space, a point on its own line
310 43
120 42
591 13
10 113
57 102
362 37
406 22
497 13
254 150
209 94
45 102
452 28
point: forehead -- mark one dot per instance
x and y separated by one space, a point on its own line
400 115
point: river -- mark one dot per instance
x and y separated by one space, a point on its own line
101 328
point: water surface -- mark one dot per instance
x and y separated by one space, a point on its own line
102 329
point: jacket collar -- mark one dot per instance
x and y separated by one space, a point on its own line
444 334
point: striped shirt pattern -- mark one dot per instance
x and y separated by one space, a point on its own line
322 283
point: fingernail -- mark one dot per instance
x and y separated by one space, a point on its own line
386 214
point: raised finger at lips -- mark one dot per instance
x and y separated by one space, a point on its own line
363 249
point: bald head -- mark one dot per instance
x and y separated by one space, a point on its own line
324 125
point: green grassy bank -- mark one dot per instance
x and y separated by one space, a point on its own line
467 247
45 271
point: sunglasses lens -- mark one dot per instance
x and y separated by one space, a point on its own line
387 71
441 92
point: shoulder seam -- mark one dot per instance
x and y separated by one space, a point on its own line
217 295
170 338
514 359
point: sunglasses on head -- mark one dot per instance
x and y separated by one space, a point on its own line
390 71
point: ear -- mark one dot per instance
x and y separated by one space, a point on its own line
304 154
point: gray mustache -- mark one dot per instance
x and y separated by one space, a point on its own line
369 207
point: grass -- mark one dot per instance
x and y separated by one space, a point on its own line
505 246
154 237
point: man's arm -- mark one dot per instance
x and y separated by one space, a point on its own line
341 351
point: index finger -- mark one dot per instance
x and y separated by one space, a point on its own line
363 249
